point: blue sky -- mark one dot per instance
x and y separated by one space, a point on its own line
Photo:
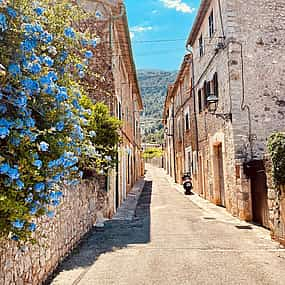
155 20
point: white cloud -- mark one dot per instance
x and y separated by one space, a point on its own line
178 5
139 29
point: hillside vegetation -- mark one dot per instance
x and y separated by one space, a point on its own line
153 85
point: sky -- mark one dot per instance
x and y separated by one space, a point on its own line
159 30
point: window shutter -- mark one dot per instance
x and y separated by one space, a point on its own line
216 85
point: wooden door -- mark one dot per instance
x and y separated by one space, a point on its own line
259 194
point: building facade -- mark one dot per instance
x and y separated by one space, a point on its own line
237 50
179 124
117 86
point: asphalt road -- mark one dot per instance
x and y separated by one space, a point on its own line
174 239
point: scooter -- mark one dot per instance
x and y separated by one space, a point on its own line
187 183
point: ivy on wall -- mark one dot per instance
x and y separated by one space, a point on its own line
276 146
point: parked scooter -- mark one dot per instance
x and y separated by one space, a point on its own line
187 183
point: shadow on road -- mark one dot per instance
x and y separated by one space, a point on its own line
116 235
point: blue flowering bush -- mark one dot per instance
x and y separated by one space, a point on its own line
47 130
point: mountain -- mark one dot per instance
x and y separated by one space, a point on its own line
153 86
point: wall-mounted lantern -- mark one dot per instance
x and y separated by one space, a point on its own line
213 101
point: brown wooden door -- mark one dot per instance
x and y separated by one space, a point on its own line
259 195
221 175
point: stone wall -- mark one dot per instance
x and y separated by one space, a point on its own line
276 205
257 29
32 264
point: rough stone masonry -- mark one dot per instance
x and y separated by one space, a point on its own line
32 264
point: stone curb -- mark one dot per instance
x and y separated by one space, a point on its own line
127 210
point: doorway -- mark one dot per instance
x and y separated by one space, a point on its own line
219 186
259 193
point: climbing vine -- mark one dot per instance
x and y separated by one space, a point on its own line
43 124
276 146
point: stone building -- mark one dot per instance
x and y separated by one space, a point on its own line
82 206
238 51
117 86
179 123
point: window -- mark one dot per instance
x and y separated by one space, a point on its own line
205 91
201 46
119 111
216 84
211 24
208 91
200 100
187 122
179 129
189 164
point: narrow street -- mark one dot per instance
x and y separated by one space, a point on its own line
174 239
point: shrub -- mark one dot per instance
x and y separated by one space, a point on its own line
43 126
276 146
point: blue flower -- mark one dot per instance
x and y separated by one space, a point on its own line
76 104
56 178
93 43
4 132
28 45
89 54
60 126
63 56
30 198
13 173
69 32
3 22
18 224
38 163
30 122
4 168
62 94
21 102
32 227
55 203
33 211
48 61
14 69
84 42
15 141
81 74
39 11
11 12
44 146
30 85
15 238
20 184
39 187
35 68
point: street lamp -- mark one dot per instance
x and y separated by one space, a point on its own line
213 100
